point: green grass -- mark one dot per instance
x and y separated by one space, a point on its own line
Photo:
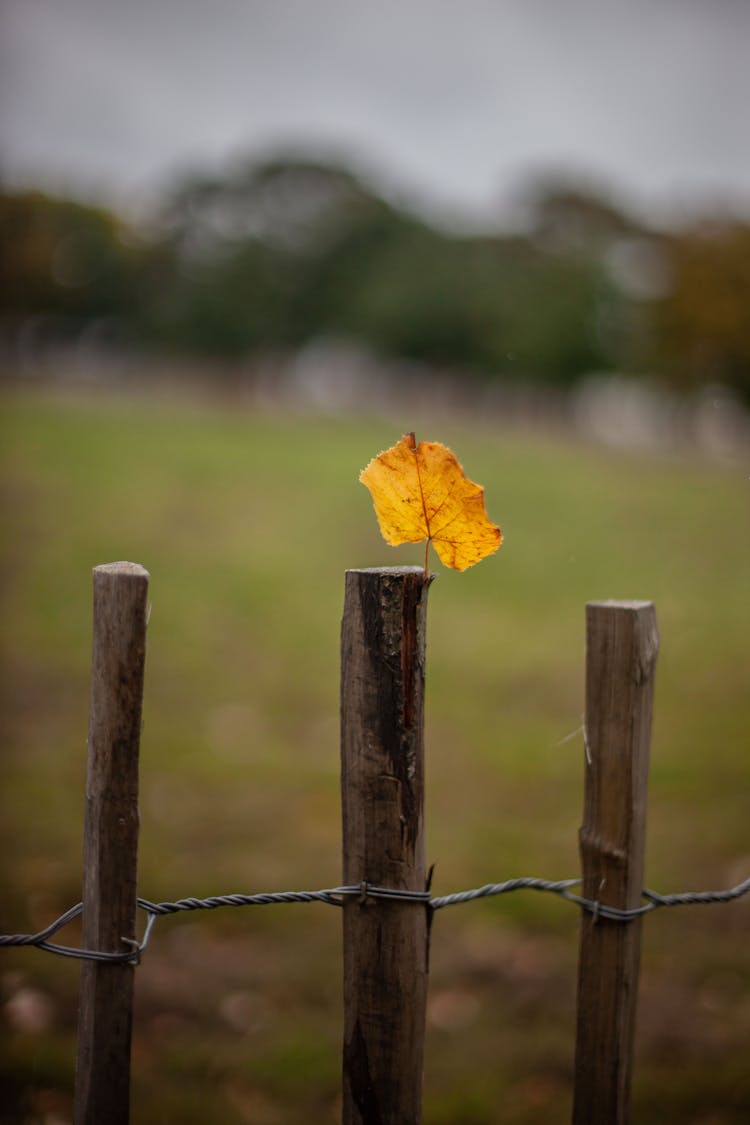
246 522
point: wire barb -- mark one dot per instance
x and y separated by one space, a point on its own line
336 896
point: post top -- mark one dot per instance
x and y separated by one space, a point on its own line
393 570
617 603
130 569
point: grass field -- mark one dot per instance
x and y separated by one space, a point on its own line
246 522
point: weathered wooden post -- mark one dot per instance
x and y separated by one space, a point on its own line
622 643
110 846
382 781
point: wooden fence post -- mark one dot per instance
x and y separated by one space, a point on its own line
110 846
622 643
382 782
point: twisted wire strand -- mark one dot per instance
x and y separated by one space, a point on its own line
698 898
335 896
591 906
489 889
266 899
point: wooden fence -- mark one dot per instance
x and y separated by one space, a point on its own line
386 942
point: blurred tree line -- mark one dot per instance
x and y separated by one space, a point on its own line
277 253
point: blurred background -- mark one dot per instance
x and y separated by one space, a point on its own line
245 247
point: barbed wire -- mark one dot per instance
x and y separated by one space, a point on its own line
336 896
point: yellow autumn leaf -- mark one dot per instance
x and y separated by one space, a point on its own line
421 492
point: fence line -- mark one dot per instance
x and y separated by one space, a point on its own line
334 896
386 940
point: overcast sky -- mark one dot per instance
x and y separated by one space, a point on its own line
457 101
